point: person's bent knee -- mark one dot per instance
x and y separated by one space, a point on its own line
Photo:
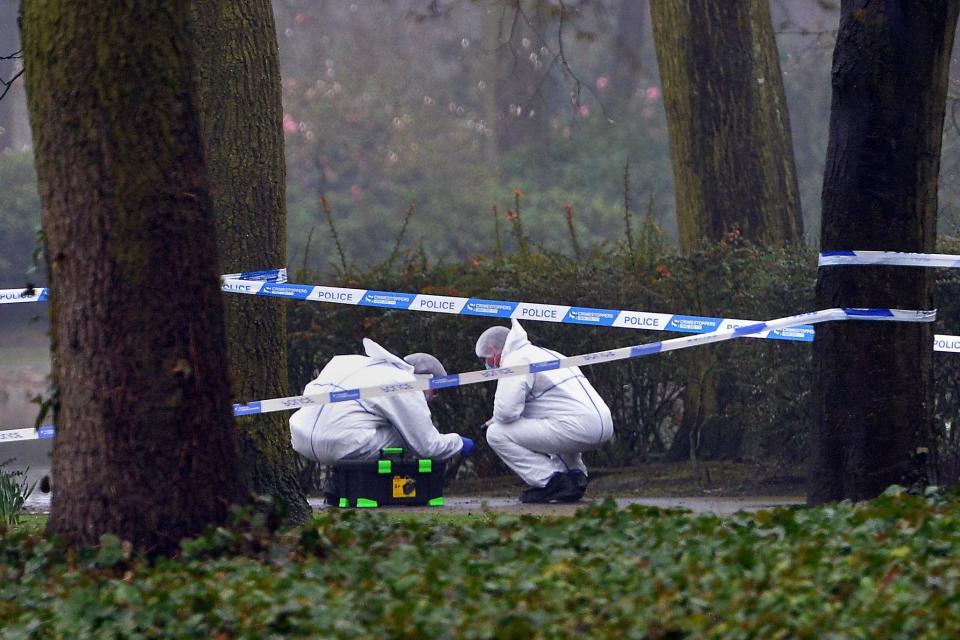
497 436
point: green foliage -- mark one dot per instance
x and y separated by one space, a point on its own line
764 386
882 569
14 491
764 383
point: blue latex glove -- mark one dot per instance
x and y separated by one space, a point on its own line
468 447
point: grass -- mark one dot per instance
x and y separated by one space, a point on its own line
31 524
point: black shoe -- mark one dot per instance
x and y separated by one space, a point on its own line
560 488
576 481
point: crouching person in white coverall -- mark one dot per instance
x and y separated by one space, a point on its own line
359 429
542 421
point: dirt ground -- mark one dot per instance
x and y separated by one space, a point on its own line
660 480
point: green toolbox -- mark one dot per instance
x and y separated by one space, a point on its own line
393 479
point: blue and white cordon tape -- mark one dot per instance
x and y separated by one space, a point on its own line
890 258
489 375
622 353
941 342
19 435
530 311
508 309
41 294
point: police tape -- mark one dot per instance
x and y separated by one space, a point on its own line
264 275
508 309
292 403
529 311
891 258
42 294
19 435
587 359
949 344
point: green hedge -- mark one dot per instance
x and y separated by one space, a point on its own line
883 569
763 386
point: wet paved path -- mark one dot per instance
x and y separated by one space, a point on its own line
475 504
40 503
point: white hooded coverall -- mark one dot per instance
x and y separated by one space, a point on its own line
543 421
359 429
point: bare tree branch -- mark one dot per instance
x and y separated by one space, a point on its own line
6 84
556 56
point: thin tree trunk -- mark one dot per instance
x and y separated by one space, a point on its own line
145 445
241 113
730 141
9 44
491 57
627 54
873 383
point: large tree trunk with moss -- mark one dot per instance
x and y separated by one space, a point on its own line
730 147
145 445
241 113
873 382
730 139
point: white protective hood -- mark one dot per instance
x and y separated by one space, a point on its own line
374 350
358 429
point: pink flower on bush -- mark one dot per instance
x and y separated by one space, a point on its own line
289 124
602 82
584 111
652 93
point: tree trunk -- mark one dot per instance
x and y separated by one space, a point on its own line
873 382
491 113
730 139
241 113
730 142
145 445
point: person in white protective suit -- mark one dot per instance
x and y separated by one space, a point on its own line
542 422
359 429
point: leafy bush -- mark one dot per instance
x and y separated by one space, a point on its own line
728 279
882 569
763 387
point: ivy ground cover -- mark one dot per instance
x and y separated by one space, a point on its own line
888 568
